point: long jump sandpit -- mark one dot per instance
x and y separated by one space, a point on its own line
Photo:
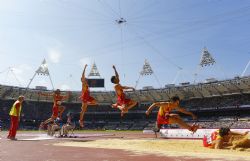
110 146
164 147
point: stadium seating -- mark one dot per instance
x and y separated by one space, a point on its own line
220 103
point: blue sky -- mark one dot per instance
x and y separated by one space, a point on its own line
168 33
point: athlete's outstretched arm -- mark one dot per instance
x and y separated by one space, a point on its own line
218 144
156 104
116 73
239 133
182 110
67 96
126 87
83 73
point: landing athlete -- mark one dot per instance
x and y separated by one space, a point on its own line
166 117
224 137
123 103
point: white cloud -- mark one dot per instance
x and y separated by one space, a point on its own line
54 55
51 44
65 87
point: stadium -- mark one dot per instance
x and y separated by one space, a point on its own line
217 101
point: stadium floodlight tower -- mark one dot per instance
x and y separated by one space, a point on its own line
95 82
94 71
206 60
42 70
146 71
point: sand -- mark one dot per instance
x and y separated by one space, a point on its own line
164 147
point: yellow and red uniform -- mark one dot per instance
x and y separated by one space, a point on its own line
55 110
121 98
214 136
14 117
163 113
85 97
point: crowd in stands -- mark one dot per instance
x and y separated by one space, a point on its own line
215 90
230 101
212 112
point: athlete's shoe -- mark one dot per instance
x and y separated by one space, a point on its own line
124 111
42 126
12 138
155 129
114 105
81 123
195 127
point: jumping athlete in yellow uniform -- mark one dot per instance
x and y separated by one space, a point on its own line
165 117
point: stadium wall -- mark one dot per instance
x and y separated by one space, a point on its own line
186 134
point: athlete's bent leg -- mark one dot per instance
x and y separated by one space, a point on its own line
51 119
131 104
92 102
181 123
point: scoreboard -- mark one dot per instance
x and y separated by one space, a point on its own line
96 83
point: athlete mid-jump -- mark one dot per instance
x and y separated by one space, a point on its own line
123 103
85 97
